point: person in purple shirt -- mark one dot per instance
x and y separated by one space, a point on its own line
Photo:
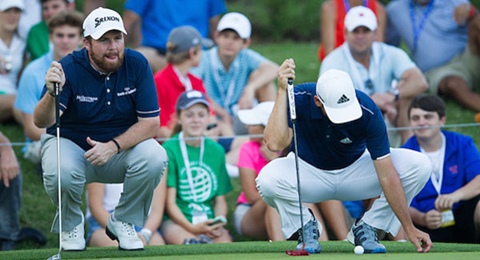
344 154
109 116
448 207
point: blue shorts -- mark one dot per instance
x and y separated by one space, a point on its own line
226 143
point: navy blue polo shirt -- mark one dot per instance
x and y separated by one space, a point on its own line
104 106
330 146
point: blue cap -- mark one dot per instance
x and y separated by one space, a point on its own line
190 98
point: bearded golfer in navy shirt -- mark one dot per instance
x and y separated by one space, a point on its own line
109 114
344 154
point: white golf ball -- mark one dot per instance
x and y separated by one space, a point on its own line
358 250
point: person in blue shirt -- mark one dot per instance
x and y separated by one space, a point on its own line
452 28
448 207
343 154
384 72
65 33
158 17
109 116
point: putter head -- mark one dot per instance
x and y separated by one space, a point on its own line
297 252
55 257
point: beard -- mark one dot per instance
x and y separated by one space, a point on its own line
104 64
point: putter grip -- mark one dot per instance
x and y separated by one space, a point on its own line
291 100
56 88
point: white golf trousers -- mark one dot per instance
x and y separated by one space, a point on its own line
277 184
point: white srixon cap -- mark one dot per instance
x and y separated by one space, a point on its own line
100 21
360 16
336 92
7 4
258 115
237 22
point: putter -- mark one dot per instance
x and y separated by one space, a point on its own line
293 118
57 123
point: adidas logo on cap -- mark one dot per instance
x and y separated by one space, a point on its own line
343 99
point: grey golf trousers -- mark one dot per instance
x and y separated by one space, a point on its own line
139 168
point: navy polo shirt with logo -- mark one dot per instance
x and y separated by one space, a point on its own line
103 106
330 146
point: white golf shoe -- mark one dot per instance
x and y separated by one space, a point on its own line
74 240
125 234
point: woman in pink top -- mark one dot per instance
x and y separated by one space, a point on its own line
253 217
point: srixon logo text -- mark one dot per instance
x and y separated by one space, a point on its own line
100 20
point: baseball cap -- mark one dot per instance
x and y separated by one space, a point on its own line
258 115
360 16
100 21
190 98
337 94
7 4
185 37
237 22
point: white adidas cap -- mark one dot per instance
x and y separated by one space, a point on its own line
336 92
100 21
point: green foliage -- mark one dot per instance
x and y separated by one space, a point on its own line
295 20
274 20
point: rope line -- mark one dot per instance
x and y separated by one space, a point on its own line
390 129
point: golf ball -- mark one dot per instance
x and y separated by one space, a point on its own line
358 250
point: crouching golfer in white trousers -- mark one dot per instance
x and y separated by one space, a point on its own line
344 154
109 114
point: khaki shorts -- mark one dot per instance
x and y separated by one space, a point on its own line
465 65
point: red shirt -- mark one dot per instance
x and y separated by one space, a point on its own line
340 24
169 87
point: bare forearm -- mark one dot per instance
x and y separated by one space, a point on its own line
163 132
267 72
412 83
471 190
4 148
418 217
220 208
31 131
327 27
144 129
277 133
131 21
44 113
177 216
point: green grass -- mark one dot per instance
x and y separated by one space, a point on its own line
37 210
254 250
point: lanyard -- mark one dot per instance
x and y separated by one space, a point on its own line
372 73
186 161
185 80
216 76
417 29
347 4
